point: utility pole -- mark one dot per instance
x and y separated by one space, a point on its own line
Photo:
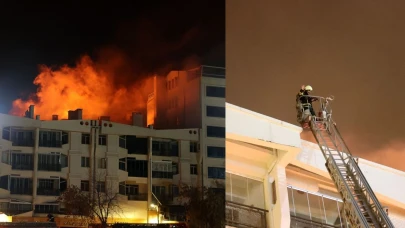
93 132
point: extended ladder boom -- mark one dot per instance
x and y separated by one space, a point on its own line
361 206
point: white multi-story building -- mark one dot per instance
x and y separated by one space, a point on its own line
194 99
275 179
184 143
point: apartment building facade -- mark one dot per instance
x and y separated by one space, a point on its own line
274 179
40 159
194 99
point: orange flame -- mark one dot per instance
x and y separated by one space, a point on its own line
88 86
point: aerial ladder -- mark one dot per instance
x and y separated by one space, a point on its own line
361 207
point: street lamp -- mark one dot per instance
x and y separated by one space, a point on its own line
157 211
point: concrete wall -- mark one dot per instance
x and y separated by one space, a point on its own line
247 123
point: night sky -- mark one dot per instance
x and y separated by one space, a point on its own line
157 37
354 50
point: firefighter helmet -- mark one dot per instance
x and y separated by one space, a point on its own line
308 88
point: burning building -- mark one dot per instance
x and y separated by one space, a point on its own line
145 159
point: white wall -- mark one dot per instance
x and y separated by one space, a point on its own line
246 123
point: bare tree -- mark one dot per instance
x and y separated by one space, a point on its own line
77 205
205 207
102 204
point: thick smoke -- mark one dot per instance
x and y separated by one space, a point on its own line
95 86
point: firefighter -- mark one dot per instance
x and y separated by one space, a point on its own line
306 101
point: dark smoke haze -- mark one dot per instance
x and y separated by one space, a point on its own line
129 41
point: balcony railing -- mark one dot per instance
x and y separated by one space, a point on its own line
48 192
23 142
214 72
22 166
297 222
138 197
50 167
243 216
21 191
47 210
12 211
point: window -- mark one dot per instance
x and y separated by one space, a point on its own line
102 140
137 168
85 162
4 182
136 145
6 133
165 148
175 168
193 169
315 207
214 91
19 137
100 186
85 186
216 132
132 190
5 157
20 207
216 173
49 162
174 190
215 152
21 186
162 169
65 138
64 161
20 161
121 142
158 190
194 147
102 163
46 208
215 111
85 138
122 164
48 187
50 139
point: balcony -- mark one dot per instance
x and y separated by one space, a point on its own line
243 216
48 192
21 191
297 222
54 209
23 142
11 211
138 197
22 166
49 167
213 72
